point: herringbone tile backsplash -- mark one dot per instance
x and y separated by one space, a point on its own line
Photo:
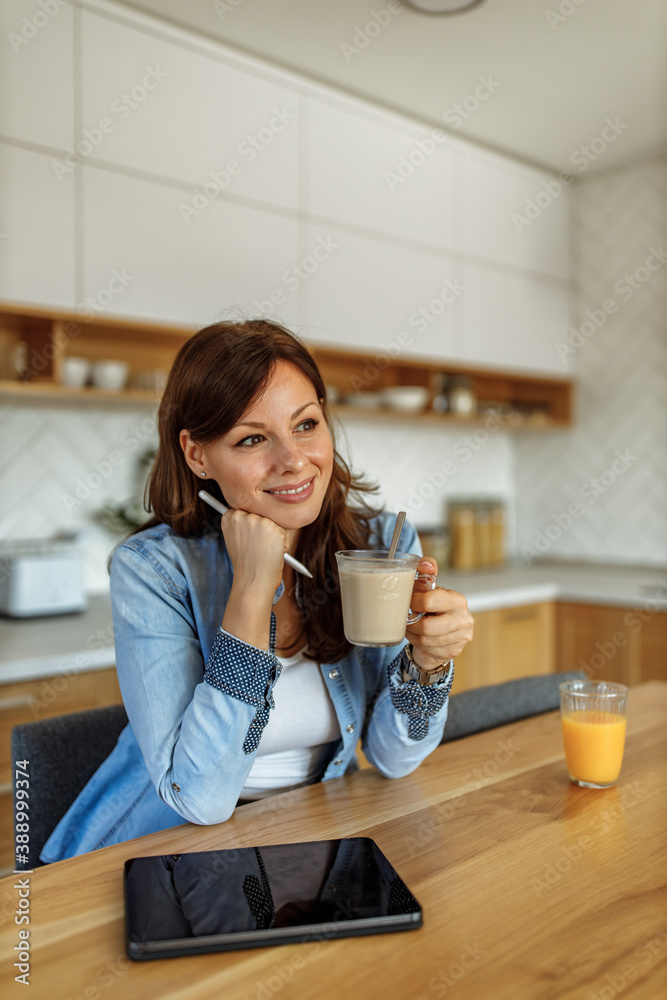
613 464
60 465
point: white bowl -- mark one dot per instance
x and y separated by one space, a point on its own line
333 395
409 398
371 400
74 372
111 375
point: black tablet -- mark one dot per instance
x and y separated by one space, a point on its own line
187 904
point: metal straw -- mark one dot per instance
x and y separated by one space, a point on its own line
397 534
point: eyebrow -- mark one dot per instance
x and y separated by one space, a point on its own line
254 423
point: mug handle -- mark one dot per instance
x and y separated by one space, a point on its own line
432 581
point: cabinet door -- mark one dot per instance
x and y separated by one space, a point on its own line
371 293
514 320
188 115
508 643
227 258
654 648
375 170
522 642
37 238
515 214
37 73
603 642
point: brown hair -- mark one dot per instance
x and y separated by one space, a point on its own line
215 377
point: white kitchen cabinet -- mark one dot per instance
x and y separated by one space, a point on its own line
368 293
500 223
36 69
375 170
36 230
189 115
229 257
514 320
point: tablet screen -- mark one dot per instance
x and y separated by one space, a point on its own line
180 904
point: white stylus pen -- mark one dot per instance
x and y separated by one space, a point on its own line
220 507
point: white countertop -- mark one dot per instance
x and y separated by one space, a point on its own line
42 647
580 583
31 648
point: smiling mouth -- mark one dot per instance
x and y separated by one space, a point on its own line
292 490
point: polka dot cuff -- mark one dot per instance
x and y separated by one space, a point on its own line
415 700
246 673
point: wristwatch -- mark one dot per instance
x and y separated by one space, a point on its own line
417 674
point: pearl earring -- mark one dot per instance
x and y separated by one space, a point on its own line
203 475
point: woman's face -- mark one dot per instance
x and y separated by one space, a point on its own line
277 460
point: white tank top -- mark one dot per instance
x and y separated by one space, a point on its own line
296 741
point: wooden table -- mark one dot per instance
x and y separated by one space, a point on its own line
532 888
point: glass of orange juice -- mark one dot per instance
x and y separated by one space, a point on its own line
593 715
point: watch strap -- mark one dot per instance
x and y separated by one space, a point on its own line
423 677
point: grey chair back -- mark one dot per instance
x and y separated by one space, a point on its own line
63 753
488 707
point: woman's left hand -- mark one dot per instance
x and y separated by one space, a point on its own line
445 629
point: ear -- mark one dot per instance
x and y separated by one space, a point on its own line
193 453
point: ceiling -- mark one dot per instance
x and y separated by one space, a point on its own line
534 78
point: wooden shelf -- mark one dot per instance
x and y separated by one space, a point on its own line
521 401
511 421
41 340
52 391
46 338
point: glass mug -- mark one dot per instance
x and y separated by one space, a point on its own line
375 592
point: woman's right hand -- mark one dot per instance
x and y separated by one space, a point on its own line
256 546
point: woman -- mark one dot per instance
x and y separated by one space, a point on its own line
237 678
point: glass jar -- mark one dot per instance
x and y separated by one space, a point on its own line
462 398
482 535
498 522
440 402
462 535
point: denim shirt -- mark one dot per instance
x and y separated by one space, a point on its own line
198 698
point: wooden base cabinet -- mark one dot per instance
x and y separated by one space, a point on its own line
508 643
626 645
27 701
622 644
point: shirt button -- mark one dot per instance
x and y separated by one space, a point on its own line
350 728
333 674
175 786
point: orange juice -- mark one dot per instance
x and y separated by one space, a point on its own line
594 744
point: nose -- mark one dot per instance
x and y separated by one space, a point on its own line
287 456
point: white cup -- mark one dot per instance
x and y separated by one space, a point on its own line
74 372
111 375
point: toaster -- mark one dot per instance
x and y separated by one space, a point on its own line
40 579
